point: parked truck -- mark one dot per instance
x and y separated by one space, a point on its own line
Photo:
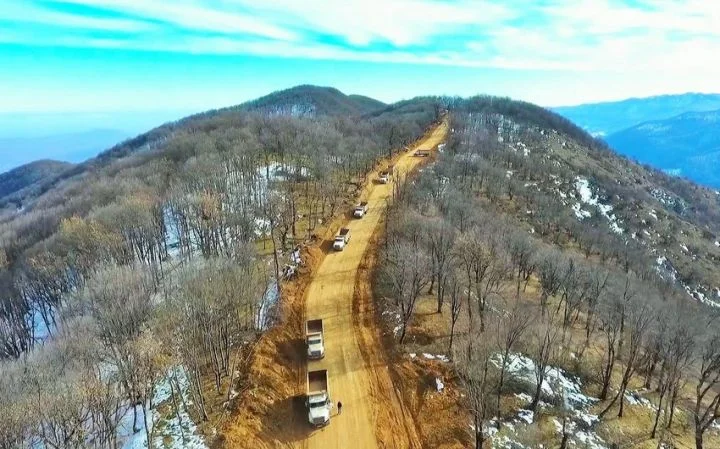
422 153
341 239
384 177
315 339
360 210
318 398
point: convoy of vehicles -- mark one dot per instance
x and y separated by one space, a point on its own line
341 239
318 399
360 210
315 339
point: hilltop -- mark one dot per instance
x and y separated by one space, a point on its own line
313 100
29 180
304 100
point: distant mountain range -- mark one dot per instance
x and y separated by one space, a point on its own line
687 145
676 133
604 119
70 147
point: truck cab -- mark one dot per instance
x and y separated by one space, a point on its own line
384 177
319 407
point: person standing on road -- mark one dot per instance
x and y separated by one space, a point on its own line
339 407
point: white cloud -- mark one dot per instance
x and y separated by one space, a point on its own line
28 13
191 15
674 37
399 22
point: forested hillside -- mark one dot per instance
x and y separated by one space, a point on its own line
313 100
27 180
563 295
134 286
535 287
306 100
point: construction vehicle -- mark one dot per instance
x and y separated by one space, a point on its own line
360 210
341 239
318 398
422 153
315 339
384 177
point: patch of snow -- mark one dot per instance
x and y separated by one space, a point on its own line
653 214
634 398
524 397
717 243
439 385
428 356
175 432
582 186
684 247
557 385
579 212
267 303
526 415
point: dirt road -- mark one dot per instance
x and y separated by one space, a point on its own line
358 380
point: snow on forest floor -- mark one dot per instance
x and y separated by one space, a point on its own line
558 387
175 431
587 197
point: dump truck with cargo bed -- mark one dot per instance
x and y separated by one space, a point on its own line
341 239
315 339
360 210
318 398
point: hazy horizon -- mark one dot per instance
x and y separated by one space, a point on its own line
78 65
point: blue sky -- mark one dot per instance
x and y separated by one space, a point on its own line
166 58
120 55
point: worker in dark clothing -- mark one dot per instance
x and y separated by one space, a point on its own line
339 407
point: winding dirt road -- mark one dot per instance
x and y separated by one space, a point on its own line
357 370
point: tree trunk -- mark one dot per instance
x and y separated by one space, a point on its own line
452 335
698 438
657 417
536 397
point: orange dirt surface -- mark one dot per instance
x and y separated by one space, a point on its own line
271 413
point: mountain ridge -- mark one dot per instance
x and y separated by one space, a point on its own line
606 118
30 177
687 144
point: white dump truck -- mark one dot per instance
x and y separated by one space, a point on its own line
315 340
341 239
360 210
318 398
384 177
